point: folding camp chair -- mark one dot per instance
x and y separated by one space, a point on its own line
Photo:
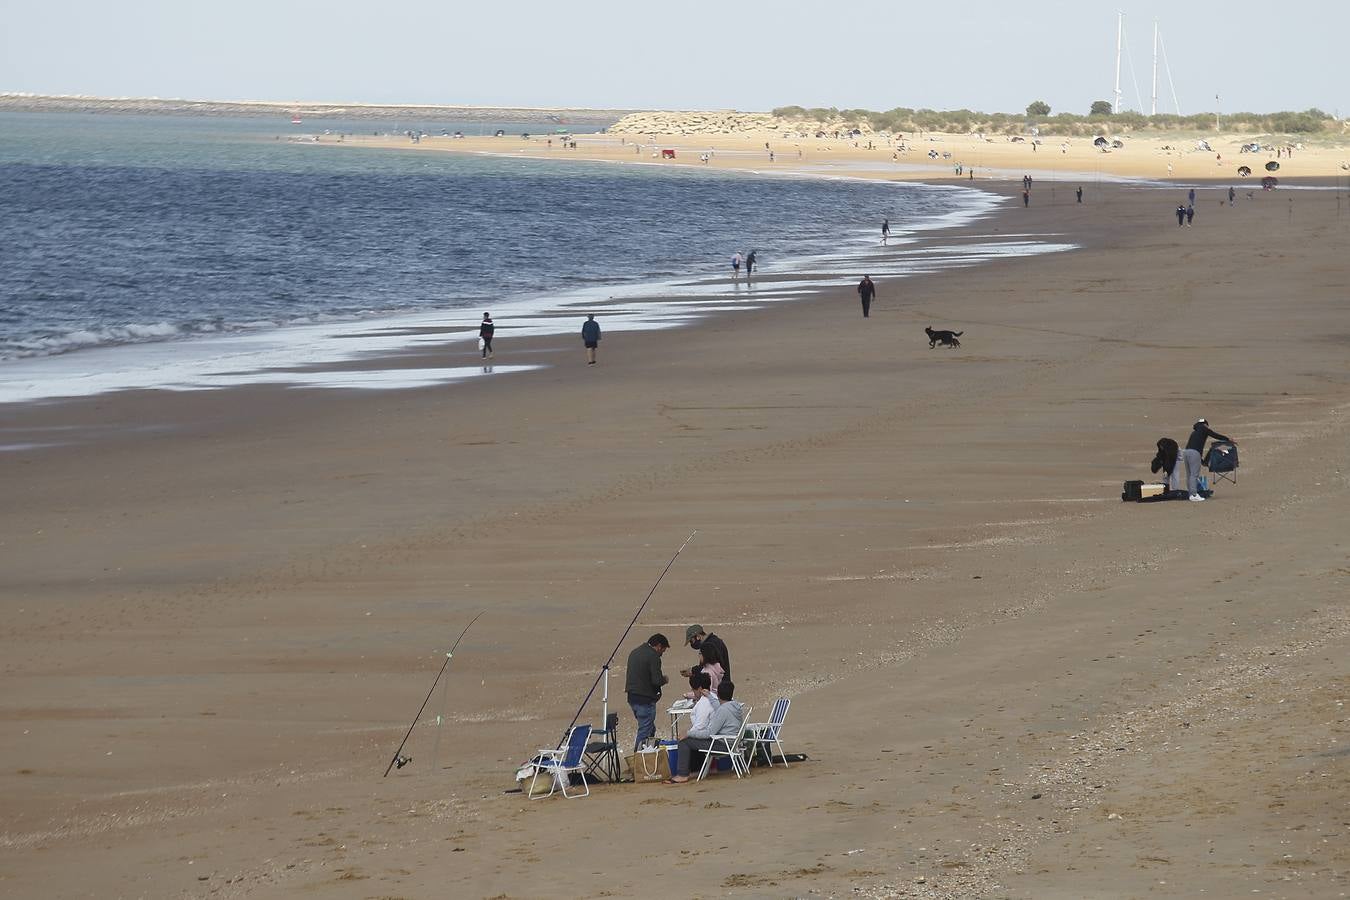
764 736
561 763
731 746
1222 461
602 756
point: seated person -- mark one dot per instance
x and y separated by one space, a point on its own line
726 721
704 701
1169 454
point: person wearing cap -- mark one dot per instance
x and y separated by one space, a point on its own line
643 682
1194 454
590 336
698 639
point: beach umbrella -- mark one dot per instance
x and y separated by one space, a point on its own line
1269 182
1272 166
1244 171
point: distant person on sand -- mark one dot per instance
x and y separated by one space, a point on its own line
885 230
1190 197
643 682
1232 195
590 336
866 291
750 263
1194 454
1080 193
1190 214
1181 215
485 332
736 264
1026 198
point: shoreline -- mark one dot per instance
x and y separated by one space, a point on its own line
292 353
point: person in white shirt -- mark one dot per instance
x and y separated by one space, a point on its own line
704 701
726 721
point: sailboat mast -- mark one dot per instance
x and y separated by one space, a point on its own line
1120 30
1154 111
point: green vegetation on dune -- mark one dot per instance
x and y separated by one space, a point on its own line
1101 119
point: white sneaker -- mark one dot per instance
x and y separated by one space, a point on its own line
1196 498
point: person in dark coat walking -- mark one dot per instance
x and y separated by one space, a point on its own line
1080 194
643 682
750 264
1026 198
1190 214
1181 215
590 336
485 332
866 291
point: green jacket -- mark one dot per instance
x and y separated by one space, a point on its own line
644 675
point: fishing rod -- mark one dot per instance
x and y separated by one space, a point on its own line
604 670
399 759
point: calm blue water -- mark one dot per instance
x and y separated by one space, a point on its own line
131 229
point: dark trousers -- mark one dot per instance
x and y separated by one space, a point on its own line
867 306
687 747
487 346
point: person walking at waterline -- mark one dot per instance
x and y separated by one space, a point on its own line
485 332
590 336
736 264
866 291
885 230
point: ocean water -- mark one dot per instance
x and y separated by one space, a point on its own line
160 251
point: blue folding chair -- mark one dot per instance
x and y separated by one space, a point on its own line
767 735
560 763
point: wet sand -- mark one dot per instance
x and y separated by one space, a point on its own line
222 609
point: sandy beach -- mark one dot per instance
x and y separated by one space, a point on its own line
222 609
928 157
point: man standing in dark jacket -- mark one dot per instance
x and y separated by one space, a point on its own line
1194 454
485 332
698 639
866 291
644 681
590 336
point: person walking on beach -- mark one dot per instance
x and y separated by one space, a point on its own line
866 291
485 332
1080 193
736 264
643 682
885 230
1190 214
750 263
1026 198
1190 197
1194 454
1181 215
1232 194
590 336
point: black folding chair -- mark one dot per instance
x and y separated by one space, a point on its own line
1222 461
602 757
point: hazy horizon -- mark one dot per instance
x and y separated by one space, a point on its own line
863 54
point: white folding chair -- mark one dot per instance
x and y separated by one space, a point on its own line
768 735
561 762
730 746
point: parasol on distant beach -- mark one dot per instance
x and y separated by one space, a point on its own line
1244 171
1272 166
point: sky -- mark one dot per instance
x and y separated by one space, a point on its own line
986 55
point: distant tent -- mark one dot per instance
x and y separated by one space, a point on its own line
500 132
1244 171
1101 142
1269 182
1204 145
1272 166
1117 143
